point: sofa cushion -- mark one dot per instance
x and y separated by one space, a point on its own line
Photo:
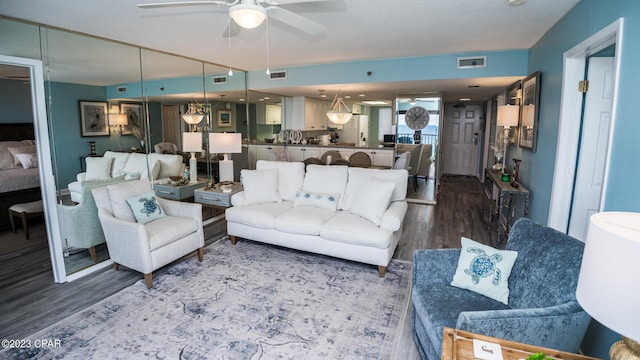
118 194
484 270
145 207
304 220
119 159
166 230
170 165
326 179
258 215
437 306
358 175
260 186
372 199
316 200
98 168
348 228
290 176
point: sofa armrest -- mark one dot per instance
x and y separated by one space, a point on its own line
81 176
393 217
182 209
237 199
563 325
435 266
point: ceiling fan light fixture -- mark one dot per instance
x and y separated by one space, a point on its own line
248 16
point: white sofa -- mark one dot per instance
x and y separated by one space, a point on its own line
114 167
363 223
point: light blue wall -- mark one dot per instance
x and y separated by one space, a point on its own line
15 101
622 192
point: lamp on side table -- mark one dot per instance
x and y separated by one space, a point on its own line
607 286
225 143
192 142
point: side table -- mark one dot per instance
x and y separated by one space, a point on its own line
180 193
216 197
458 344
507 199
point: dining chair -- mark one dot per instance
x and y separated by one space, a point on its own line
335 155
360 159
415 165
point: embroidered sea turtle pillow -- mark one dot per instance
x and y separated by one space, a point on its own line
484 270
145 207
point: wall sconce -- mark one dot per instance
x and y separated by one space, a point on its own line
225 143
192 142
118 121
507 117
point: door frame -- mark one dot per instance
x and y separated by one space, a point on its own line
571 117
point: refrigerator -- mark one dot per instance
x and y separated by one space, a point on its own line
356 131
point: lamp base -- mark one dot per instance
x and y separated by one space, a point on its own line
226 170
626 349
193 168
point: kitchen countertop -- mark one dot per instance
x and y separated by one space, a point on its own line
321 146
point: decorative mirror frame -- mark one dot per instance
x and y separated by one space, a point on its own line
529 112
514 97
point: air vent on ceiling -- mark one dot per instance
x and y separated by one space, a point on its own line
472 62
278 75
121 89
219 79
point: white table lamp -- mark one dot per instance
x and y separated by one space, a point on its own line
192 142
118 121
225 143
608 284
507 117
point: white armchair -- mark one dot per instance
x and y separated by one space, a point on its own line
147 247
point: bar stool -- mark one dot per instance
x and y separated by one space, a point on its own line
25 211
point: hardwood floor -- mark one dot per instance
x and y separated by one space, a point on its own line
30 301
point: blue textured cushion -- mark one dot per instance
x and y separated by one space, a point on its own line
145 207
484 270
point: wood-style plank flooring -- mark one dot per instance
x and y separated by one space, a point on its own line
30 300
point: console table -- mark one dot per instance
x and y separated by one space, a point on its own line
507 201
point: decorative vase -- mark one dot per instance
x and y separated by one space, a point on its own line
516 173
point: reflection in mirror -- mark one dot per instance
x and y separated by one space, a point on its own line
416 137
80 69
266 121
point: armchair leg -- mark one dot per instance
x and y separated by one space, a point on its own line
115 266
92 252
233 239
148 281
382 270
200 254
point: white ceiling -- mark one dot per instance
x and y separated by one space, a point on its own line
355 30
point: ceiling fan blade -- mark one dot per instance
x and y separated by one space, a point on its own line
286 2
235 29
183 3
294 20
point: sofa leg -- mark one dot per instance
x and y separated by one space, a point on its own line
233 239
382 270
148 281
200 254
115 266
92 252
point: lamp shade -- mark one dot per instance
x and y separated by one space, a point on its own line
527 115
608 284
248 16
118 119
192 142
225 143
508 115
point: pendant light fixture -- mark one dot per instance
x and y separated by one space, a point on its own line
193 116
339 113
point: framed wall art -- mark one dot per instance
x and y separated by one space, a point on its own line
135 124
224 118
530 106
93 118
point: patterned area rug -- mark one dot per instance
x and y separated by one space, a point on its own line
248 301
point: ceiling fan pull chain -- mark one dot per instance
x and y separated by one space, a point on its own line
268 70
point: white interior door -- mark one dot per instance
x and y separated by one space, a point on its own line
461 135
171 124
587 192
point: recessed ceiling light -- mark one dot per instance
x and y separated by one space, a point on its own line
347 96
465 99
376 102
267 98
516 2
362 95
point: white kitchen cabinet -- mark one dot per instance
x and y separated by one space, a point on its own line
300 153
268 114
307 114
356 130
380 157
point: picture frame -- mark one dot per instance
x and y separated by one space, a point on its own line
135 124
528 126
93 118
224 119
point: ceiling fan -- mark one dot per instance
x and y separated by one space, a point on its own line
249 14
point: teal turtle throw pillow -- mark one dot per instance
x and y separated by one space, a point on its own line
145 207
484 270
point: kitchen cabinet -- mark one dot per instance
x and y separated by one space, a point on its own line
380 157
268 114
300 153
259 152
306 114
